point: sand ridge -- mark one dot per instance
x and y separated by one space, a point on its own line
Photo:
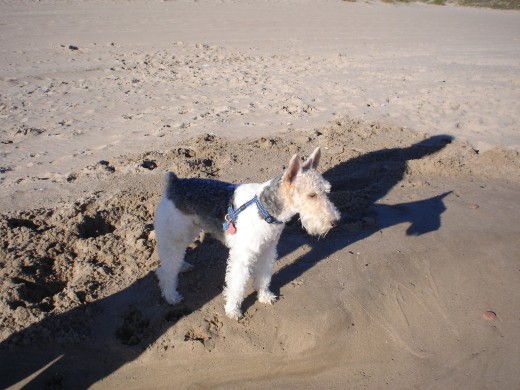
81 274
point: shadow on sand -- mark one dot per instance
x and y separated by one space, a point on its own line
117 329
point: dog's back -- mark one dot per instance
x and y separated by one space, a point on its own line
206 198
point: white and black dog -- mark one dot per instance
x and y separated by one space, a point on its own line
247 218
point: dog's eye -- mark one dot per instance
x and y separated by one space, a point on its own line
313 195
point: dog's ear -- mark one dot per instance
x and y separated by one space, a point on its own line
292 170
313 160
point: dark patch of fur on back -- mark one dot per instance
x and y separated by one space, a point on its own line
208 199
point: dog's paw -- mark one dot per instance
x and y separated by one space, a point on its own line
267 297
234 313
172 297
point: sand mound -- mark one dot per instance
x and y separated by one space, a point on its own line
65 267
55 259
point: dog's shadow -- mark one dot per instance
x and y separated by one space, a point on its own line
88 343
357 186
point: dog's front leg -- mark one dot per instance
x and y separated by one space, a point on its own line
237 274
262 273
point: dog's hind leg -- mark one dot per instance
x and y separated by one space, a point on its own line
174 232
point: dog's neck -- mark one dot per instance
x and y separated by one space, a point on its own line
273 202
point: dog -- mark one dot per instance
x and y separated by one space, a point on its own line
247 218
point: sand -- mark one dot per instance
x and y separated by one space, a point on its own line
416 108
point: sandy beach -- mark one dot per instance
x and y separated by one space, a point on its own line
417 110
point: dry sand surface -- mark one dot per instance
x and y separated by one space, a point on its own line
417 110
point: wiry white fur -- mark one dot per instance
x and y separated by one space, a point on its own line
174 231
253 247
252 253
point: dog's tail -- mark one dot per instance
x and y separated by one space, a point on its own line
169 178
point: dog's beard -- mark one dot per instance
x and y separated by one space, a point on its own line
316 226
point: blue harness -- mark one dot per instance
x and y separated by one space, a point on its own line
231 216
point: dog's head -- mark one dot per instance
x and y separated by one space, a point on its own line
305 191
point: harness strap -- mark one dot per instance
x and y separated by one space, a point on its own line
232 214
263 212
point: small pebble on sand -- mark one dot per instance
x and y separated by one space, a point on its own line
489 315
